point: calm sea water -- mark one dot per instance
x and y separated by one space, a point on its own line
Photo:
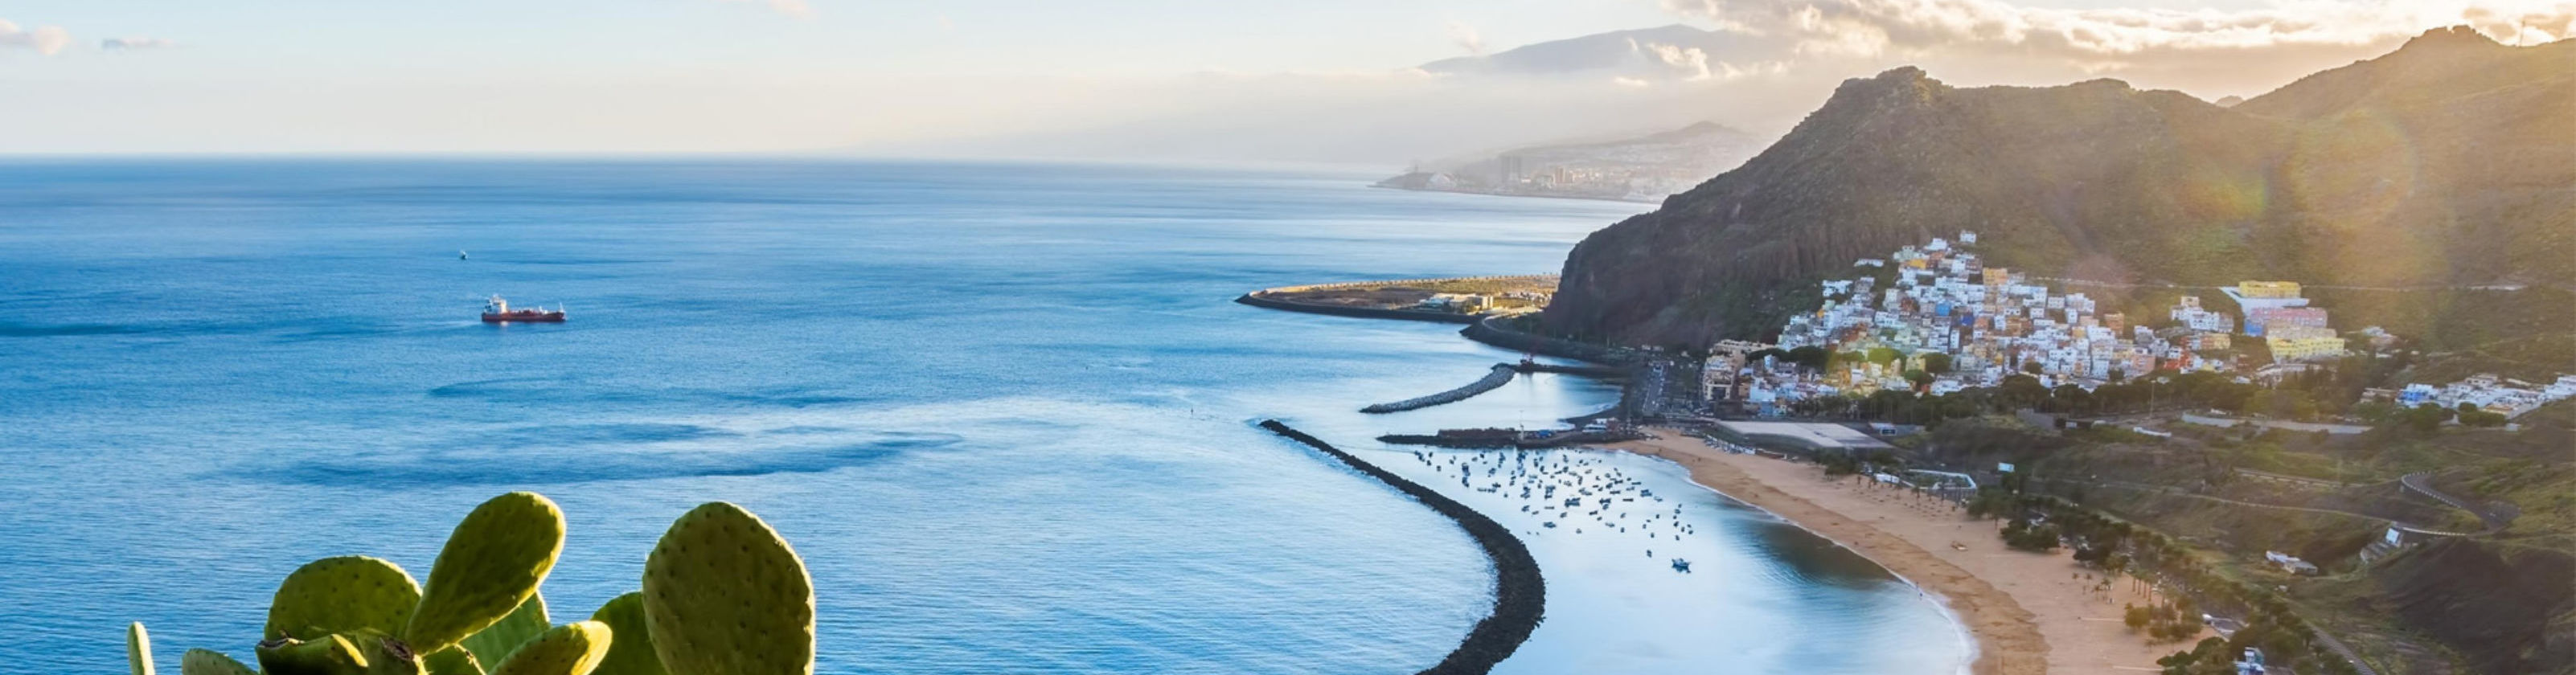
1002 410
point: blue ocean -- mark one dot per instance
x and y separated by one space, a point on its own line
1004 411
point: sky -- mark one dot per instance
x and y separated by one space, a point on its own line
1310 81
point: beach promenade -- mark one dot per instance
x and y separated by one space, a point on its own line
2030 613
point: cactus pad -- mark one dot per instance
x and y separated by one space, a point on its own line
138 649
494 643
339 595
385 655
209 662
632 653
330 655
570 649
724 595
492 563
451 661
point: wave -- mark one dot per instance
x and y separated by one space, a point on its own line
485 459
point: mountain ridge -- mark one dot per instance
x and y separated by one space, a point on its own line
2446 161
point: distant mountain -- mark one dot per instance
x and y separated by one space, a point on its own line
1650 53
2449 161
1644 168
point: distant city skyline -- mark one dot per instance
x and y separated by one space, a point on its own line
1332 81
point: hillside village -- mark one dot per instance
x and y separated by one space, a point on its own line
1935 318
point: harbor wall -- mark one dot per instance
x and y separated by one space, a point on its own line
1502 374
1520 593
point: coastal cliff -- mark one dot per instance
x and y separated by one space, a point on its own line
2446 163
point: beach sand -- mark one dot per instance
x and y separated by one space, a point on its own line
2029 612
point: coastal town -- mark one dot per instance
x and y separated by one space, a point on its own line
1934 318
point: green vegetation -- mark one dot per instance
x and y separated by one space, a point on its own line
2120 548
2487 602
725 595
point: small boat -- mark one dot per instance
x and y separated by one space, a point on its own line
460 255
498 310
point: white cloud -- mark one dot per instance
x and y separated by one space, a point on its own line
792 8
135 43
2110 37
1466 37
1691 61
46 40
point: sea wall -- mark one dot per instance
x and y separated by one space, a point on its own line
1520 594
1255 299
1502 374
1492 331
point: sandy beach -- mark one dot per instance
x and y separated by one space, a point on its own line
2030 613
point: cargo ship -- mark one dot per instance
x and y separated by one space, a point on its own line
498 310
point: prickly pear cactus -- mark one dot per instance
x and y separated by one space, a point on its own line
328 655
209 662
570 649
342 594
632 653
138 649
724 595
494 643
492 563
451 661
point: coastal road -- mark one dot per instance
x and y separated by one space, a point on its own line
2422 481
2340 649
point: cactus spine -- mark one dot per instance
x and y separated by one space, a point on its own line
340 595
570 649
491 564
724 595
138 649
632 652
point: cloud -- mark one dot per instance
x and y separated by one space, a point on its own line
791 8
1466 37
46 40
135 43
2109 37
1691 61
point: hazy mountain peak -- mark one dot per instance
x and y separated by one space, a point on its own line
1616 53
2449 37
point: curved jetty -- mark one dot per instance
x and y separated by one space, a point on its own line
1520 594
1501 375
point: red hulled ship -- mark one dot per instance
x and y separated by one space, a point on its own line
498 310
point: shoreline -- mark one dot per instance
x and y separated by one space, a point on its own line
2023 613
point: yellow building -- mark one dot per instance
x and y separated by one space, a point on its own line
1997 276
2268 289
2305 348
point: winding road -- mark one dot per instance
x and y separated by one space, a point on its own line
2422 481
